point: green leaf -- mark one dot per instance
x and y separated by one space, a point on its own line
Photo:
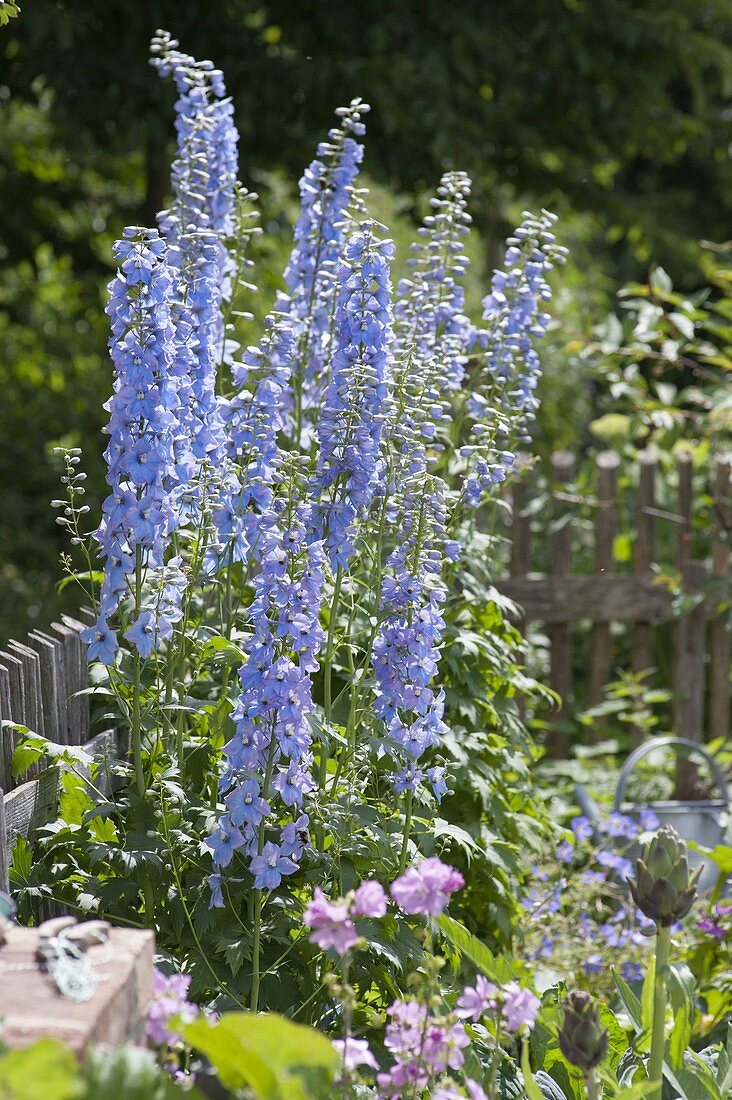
533 1091
499 970
47 1070
630 1002
95 575
274 1057
681 986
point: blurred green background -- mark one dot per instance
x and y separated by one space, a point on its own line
614 113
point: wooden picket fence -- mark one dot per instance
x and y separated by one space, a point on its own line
562 598
40 682
41 678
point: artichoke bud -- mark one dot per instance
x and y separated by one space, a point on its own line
664 889
582 1038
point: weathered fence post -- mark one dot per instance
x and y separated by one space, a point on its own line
642 647
560 676
689 631
601 640
719 636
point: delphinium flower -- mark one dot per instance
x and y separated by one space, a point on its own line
269 758
502 400
196 228
310 276
204 172
406 647
137 517
254 416
351 421
430 307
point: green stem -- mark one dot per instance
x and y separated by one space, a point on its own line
593 1089
258 894
658 1032
136 664
145 883
407 828
327 676
256 936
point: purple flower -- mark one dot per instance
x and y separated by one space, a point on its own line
102 642
355 1053
620 825
426 888
713 924
565 852
632 972
622 867
369 900
520 1007
169 1001
331 924
649 821
269 867
477 999
593 964
582 828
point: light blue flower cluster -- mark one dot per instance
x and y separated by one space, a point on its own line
204 172
406 649
431 303
310 275
350 427
203 181
137 515
270 755
504 403
254 416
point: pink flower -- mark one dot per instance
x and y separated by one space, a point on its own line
403 1076
520 1007
443 1046
405 1028
355 1053
476 999
169 1001
369 900
427 887
475 1091
446 1092
331 924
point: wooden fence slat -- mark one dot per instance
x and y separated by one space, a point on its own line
600 599
5 734
689 631
601 641
642 637
4 848
719 637
76 678
560 674
50 656
32 682
80 707
31 805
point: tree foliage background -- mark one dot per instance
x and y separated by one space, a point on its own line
614 113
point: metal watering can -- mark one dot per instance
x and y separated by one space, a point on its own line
704 823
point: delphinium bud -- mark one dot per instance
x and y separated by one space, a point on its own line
582 1038
664 888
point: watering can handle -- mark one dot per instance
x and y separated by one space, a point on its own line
661 742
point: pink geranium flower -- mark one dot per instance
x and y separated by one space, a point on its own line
426 888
